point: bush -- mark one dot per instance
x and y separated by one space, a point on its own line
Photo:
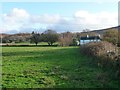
111 36
106 55
118 66
97 49
104 51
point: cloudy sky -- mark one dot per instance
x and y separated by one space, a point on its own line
60 16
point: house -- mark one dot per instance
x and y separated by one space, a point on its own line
87 39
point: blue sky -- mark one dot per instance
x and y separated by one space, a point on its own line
70 13
63 8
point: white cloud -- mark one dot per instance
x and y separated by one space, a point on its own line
14 19
46 19
20 20
97 20
17 15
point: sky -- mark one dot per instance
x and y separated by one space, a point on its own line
22 17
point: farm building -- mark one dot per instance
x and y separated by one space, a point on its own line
87 39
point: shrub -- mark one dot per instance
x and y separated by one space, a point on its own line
104 51
111 36
102 48
106 54
118 66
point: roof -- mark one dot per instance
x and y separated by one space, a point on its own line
90 37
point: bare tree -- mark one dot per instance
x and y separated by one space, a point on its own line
50 36
66 39
35 38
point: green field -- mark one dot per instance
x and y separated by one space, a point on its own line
52 67
31 44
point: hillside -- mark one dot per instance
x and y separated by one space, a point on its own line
101 31
2 35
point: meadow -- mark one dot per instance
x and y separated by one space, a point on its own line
52 67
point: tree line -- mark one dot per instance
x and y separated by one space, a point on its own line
68 38
64 39
49 36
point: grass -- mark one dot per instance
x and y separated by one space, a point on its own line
52 67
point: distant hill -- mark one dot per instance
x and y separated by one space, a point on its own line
2 35
101 31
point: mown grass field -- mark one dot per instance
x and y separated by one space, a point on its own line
52 67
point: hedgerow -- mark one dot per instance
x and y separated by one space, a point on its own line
105 53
